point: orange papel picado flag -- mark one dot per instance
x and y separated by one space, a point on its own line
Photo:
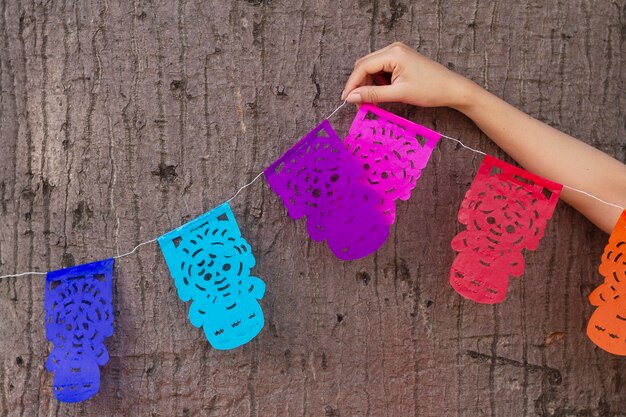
607 325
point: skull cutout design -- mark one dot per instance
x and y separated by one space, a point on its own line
211 263
392 151
319 179
505 210
79 316
607 325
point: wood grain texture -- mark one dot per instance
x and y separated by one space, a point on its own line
120 120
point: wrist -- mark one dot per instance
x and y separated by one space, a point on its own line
467 96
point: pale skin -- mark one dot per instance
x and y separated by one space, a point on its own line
537 147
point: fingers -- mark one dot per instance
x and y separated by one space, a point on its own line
382 50
374 63
375 94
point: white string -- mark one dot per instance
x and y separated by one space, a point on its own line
23 273
463 145
336 110
259 175
593 196
245 186
134 249
564 186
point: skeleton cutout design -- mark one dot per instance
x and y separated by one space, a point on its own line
79 316
211 262
319 179
505 210
607 325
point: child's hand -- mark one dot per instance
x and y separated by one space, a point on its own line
415 80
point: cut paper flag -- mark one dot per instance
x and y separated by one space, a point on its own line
392 151
79 316
210 262
607 325
319 179
505 210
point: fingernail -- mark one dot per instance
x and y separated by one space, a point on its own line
354 98
343 95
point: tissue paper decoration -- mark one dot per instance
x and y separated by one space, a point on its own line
79 315
210 262
319 179
607 325
392 151
505 210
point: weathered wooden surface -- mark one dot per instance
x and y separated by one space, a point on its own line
121 120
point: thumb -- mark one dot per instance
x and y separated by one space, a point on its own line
373 94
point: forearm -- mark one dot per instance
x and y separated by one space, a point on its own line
552 154
536 146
